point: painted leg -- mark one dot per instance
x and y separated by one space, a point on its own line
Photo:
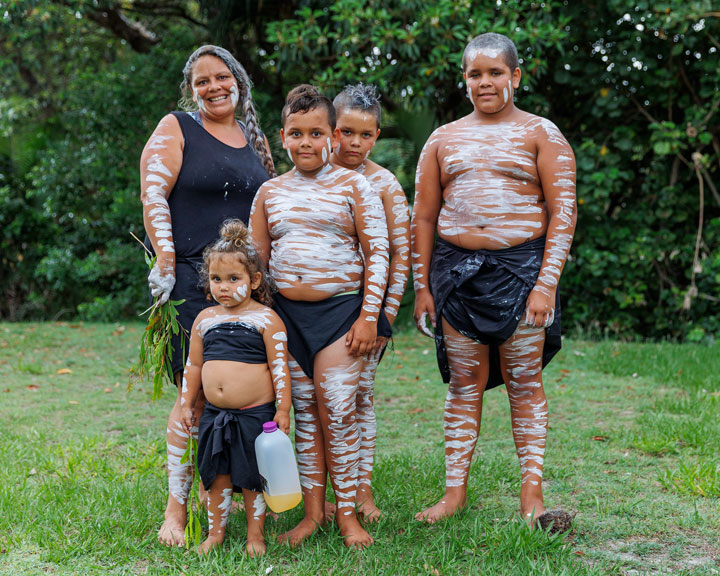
521 361
367 428
255 511
180 477
219 502
463 406
336 384
309 446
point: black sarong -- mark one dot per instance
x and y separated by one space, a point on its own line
226 444
483 294
312 326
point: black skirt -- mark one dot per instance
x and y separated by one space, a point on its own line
312 326
483 294
226 444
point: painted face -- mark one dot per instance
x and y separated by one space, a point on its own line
214 87
230 282
490 82
308 139
357 133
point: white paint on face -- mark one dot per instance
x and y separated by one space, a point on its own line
241 293
200 101
287 149
234 94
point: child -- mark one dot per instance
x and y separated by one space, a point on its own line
498 187
322 229
358 125
238 356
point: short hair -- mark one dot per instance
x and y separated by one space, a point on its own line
304 98
492 42
359 97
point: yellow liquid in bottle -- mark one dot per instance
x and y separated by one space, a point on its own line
281 502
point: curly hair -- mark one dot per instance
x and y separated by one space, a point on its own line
255 137
234 239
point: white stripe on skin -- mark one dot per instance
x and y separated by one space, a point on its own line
462 410
315 224
234 94
366 422
523 365
307 445
342 443
258 506
200 102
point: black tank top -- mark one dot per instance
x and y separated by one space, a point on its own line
236 342
216 182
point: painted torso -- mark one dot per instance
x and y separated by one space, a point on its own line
315 252
492 194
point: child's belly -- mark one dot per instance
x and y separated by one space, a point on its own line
490 218
237 384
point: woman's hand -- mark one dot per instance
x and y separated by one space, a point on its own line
187 420
161 280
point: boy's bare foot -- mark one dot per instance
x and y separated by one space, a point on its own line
301 532
354 535
208 544
172 531
255 547
448 505
366 509
531 509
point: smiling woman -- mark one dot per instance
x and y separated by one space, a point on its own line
199 168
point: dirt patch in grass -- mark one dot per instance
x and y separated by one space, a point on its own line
653 556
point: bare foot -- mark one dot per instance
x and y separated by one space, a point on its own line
208 544
255 547
301 532
172 531
354 535
531 510
329 511
450 503
367 510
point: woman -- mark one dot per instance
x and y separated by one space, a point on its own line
198 169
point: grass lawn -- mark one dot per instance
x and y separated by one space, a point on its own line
634 449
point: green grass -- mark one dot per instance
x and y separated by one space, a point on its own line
634 449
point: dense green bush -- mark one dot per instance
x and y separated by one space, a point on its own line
634 86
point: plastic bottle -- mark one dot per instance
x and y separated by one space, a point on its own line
278 469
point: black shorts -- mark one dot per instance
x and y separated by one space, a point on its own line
312 326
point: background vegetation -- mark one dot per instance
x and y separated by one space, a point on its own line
633 85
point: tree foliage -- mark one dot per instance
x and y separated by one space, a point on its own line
634 87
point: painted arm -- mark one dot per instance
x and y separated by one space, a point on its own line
192 377
373 236
160 165
428 200
397 214
275 339
258 224
556 168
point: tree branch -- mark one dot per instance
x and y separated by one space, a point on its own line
134 33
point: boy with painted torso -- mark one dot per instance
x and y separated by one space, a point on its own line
498 187
322 229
